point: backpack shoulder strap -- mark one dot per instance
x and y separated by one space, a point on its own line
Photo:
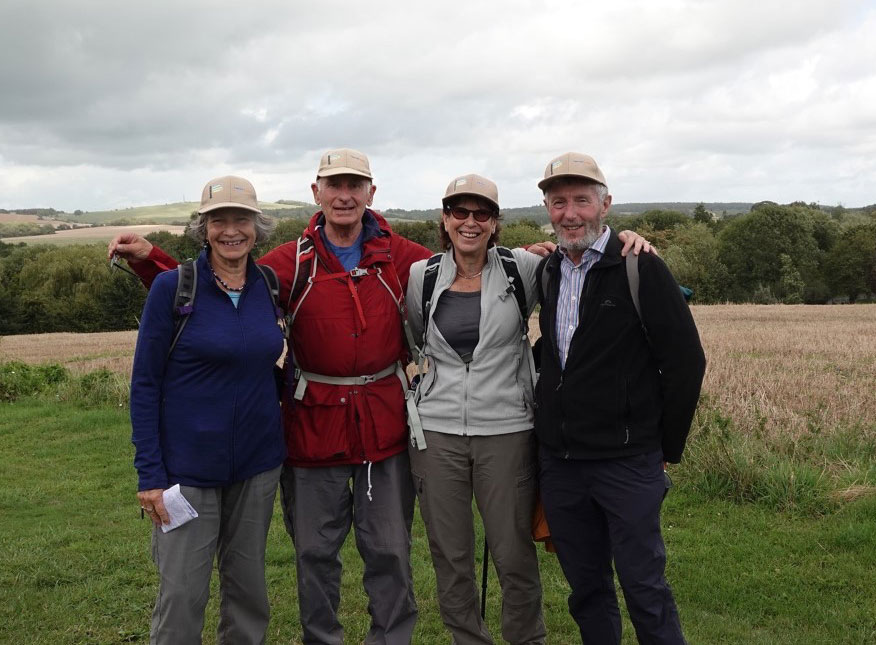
541 279
304 252
633 278
632 262
430 276
272 282
515 283
184 299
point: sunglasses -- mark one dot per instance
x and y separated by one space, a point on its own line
460 213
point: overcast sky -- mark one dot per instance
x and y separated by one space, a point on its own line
108 104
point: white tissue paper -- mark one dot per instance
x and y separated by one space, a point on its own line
178 509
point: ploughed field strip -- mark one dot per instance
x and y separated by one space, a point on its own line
79 353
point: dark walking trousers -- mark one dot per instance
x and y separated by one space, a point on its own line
319 507
608 510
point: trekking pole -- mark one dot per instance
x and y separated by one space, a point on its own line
484 581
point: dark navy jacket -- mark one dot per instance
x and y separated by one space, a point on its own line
209 415
619 394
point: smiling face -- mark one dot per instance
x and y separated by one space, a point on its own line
343 199
231 234
576 211
468 236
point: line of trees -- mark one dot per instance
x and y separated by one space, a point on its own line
20 229
64 288
49 213
794 253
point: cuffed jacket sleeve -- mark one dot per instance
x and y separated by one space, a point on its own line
150 268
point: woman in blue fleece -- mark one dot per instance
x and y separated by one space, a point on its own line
205 416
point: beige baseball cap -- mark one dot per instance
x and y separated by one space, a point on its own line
572 164
228 191
472 185
344 161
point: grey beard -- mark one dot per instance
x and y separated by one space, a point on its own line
592 232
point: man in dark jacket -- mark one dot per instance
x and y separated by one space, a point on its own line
616 397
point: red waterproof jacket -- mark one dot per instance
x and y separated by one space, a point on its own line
348 326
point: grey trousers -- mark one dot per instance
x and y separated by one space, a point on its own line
500 472
232 523
319 507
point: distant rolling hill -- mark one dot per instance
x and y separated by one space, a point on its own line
179 213
92 234
102 226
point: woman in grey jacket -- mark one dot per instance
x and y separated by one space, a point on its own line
475 405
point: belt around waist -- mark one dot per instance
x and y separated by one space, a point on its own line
304 377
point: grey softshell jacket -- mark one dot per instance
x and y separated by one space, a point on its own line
494 393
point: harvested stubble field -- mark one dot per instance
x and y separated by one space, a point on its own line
773 368
790 368
93 235
79 353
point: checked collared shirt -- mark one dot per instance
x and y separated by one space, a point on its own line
571 282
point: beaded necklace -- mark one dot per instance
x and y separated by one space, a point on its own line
225 284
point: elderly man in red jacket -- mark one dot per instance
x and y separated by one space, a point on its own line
344 416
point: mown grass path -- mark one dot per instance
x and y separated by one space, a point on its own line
76 568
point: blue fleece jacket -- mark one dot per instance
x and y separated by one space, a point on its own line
208 415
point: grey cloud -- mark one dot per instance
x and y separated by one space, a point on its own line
197 85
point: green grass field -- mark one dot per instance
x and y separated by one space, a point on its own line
76 565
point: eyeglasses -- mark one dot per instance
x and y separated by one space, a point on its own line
460 213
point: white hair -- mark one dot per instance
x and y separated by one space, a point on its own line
320 180
571 180
264 225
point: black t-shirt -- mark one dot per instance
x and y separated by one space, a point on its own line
458 317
